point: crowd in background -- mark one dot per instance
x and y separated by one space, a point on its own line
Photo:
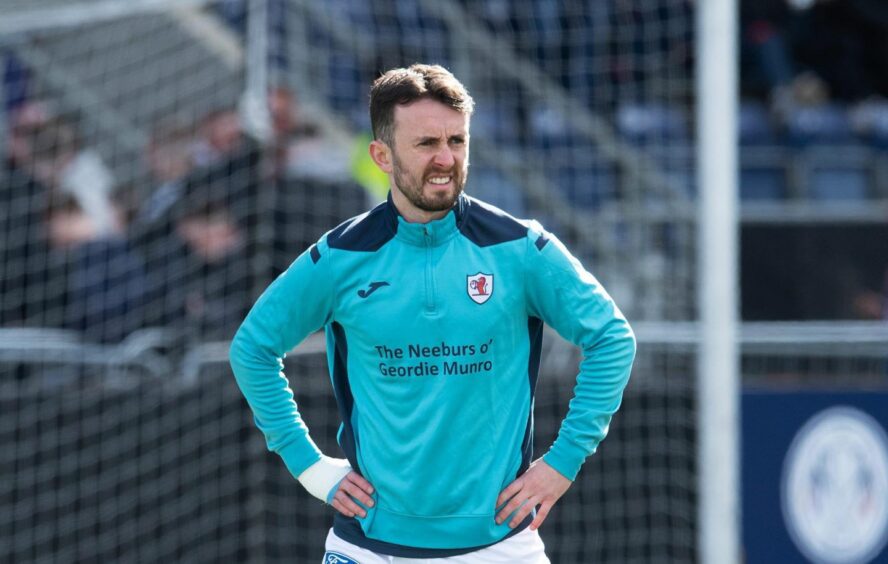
814 51
218 215
80 251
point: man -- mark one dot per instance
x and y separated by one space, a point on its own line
433 304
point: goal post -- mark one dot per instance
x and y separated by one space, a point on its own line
718 392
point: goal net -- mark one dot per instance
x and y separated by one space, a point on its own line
149 194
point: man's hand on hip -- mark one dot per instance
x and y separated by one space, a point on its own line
540 486
352 487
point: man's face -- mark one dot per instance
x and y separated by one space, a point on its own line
430 156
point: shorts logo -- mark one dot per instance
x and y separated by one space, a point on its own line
835 487
337 558
480 287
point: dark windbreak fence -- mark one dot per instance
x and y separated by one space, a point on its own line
115 464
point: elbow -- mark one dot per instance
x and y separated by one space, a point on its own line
631 344
239 347
625 347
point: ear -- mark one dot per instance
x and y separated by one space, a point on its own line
381 155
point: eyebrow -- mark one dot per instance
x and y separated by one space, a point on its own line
459 136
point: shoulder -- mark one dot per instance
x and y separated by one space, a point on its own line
367 232
487 225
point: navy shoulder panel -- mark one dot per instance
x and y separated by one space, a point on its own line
367 232
486 225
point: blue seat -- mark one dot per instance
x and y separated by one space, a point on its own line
422 36
871 120
661 132
347 83
839 184
490 185
496 123
838 172
762 184
572 161
549 128
825 124
589 181
652 123
754 125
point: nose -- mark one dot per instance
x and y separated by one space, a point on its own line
444 158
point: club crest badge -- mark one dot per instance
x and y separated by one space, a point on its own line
480 287
835 487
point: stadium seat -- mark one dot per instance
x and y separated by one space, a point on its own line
495 122
754 125
423 36
345 83
839 173
589 183
825 124
661 131
848 184
762 184
764 167
870 120
490 185
646 124
549 128
572 161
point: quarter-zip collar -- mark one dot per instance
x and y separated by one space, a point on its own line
433 233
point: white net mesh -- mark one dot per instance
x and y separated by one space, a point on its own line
138 222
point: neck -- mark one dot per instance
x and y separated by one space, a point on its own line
411 213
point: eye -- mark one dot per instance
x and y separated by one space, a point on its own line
457 141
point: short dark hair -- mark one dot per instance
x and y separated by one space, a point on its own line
406 85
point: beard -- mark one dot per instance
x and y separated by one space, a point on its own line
413 187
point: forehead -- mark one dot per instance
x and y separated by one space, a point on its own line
428 117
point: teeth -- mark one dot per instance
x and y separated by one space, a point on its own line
439 180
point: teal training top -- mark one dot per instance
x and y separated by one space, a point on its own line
433 343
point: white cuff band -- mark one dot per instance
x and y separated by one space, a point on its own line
323 475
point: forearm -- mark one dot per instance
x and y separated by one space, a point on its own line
259 375
604 373
289 310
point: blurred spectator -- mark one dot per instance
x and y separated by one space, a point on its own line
23 124
218 156
46 163
219 135
313 180
766 55
169 161
22 206
104 280
198 272
873 304
215 294
198 220
49 148
299 148
15 81
285 125
801 52
846 43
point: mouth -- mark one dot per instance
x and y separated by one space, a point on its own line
440 180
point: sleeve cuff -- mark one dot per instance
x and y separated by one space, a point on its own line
299 455
565 458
